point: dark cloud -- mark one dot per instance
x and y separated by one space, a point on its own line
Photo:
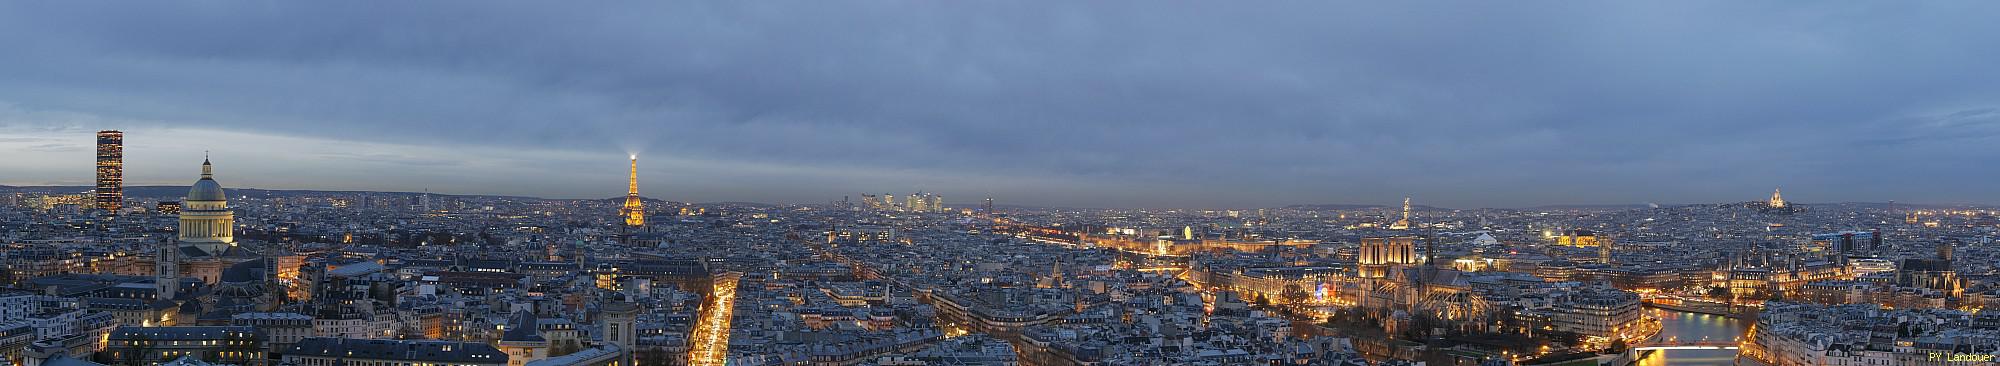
1079 103
388 158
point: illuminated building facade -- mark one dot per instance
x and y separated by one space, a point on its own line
168 207
1605 313
232 345
110 170
1156 245
1378 256
1579 238
1838 292
1775 205
1769 274
1935 274
51 202
205 220
635 208
1585 238
343 351
1865 266
1316 285
207 243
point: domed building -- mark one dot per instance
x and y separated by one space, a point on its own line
207 243
234 278
206 222
1776 205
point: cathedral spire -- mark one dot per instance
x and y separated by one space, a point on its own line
1430 250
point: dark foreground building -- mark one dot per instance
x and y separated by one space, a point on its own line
383 352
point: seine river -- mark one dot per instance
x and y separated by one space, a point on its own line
1694 327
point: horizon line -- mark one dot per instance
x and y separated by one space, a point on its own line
1368 205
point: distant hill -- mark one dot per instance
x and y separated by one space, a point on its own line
1626 206
739 203
1333 206
621 200
1898 205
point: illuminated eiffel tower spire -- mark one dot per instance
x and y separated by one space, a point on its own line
634 210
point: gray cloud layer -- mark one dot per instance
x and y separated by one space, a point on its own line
1101 103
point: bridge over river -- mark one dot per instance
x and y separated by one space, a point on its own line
1705 345
1693 339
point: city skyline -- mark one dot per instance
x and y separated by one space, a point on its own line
633 186
905 183
1081 105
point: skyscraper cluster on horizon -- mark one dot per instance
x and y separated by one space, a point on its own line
919 202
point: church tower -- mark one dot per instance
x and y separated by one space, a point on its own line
1403 224
1777 199
635 209
1944 251
166 270
1604 251
1056 275
1381 255
206 221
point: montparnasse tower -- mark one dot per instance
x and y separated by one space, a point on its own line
206 221
635 209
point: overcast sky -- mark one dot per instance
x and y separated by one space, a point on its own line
1071 103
